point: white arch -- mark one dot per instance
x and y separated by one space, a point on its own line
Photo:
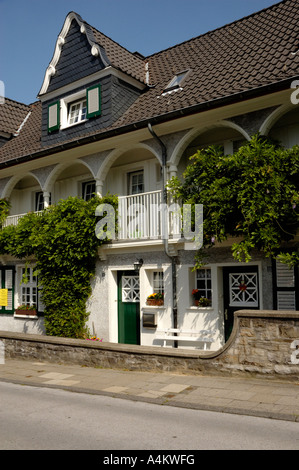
195 132
273 118
116 153
9 187
59 169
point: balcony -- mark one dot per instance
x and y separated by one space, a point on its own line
140 217
144 216
14 219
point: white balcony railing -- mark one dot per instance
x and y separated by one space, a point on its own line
14 219
142 216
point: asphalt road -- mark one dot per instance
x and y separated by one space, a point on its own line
33 418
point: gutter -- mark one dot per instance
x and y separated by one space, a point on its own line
165 224
217 102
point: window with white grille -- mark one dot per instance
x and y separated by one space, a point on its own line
158 282
204 283
28 287
77 112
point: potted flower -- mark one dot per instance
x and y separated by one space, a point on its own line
199 300
29 310
155 299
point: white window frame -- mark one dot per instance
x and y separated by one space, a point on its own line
131 175
77 111
208 291
66 104
28 294
158 283
85 185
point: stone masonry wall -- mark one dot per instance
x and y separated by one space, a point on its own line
262 344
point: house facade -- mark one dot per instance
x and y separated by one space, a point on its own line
108 120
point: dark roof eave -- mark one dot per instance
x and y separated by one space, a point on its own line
159 119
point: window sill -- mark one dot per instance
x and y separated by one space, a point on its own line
29 317
68 126
153 307
198 307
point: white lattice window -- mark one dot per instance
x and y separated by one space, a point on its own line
130 289
243 289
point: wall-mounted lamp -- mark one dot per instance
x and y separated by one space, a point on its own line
137 264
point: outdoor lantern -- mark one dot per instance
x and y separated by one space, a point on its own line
137 264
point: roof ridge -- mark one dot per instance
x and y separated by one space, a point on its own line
17 102
219 28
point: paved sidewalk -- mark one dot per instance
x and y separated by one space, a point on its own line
254 397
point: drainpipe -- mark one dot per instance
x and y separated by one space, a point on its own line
165 239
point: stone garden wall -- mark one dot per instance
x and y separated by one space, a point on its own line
262 344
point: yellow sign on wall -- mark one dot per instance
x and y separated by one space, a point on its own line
3 297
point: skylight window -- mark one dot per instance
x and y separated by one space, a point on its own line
176 81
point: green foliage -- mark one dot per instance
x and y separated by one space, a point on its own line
4 209
63 242
252 194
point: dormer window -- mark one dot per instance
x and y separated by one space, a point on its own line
77 112
74 109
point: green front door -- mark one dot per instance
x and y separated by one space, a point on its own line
128 307
240 291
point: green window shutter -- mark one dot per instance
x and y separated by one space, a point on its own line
7 282
93 100
54 116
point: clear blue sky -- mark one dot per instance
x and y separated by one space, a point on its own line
29 29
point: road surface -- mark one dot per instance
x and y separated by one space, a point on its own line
33 418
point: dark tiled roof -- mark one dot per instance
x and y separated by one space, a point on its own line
238 57
28 141
256 51
120 57
12 114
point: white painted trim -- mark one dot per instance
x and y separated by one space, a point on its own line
95 48
92 78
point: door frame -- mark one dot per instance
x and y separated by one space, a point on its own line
228 309
131 309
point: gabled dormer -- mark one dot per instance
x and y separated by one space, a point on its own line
90 82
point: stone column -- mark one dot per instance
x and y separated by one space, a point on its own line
46 195
99 187
172 171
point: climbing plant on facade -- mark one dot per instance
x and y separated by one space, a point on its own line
252 194
63 243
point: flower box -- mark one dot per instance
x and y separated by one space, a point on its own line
155 299
200 301
26 311
156 302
